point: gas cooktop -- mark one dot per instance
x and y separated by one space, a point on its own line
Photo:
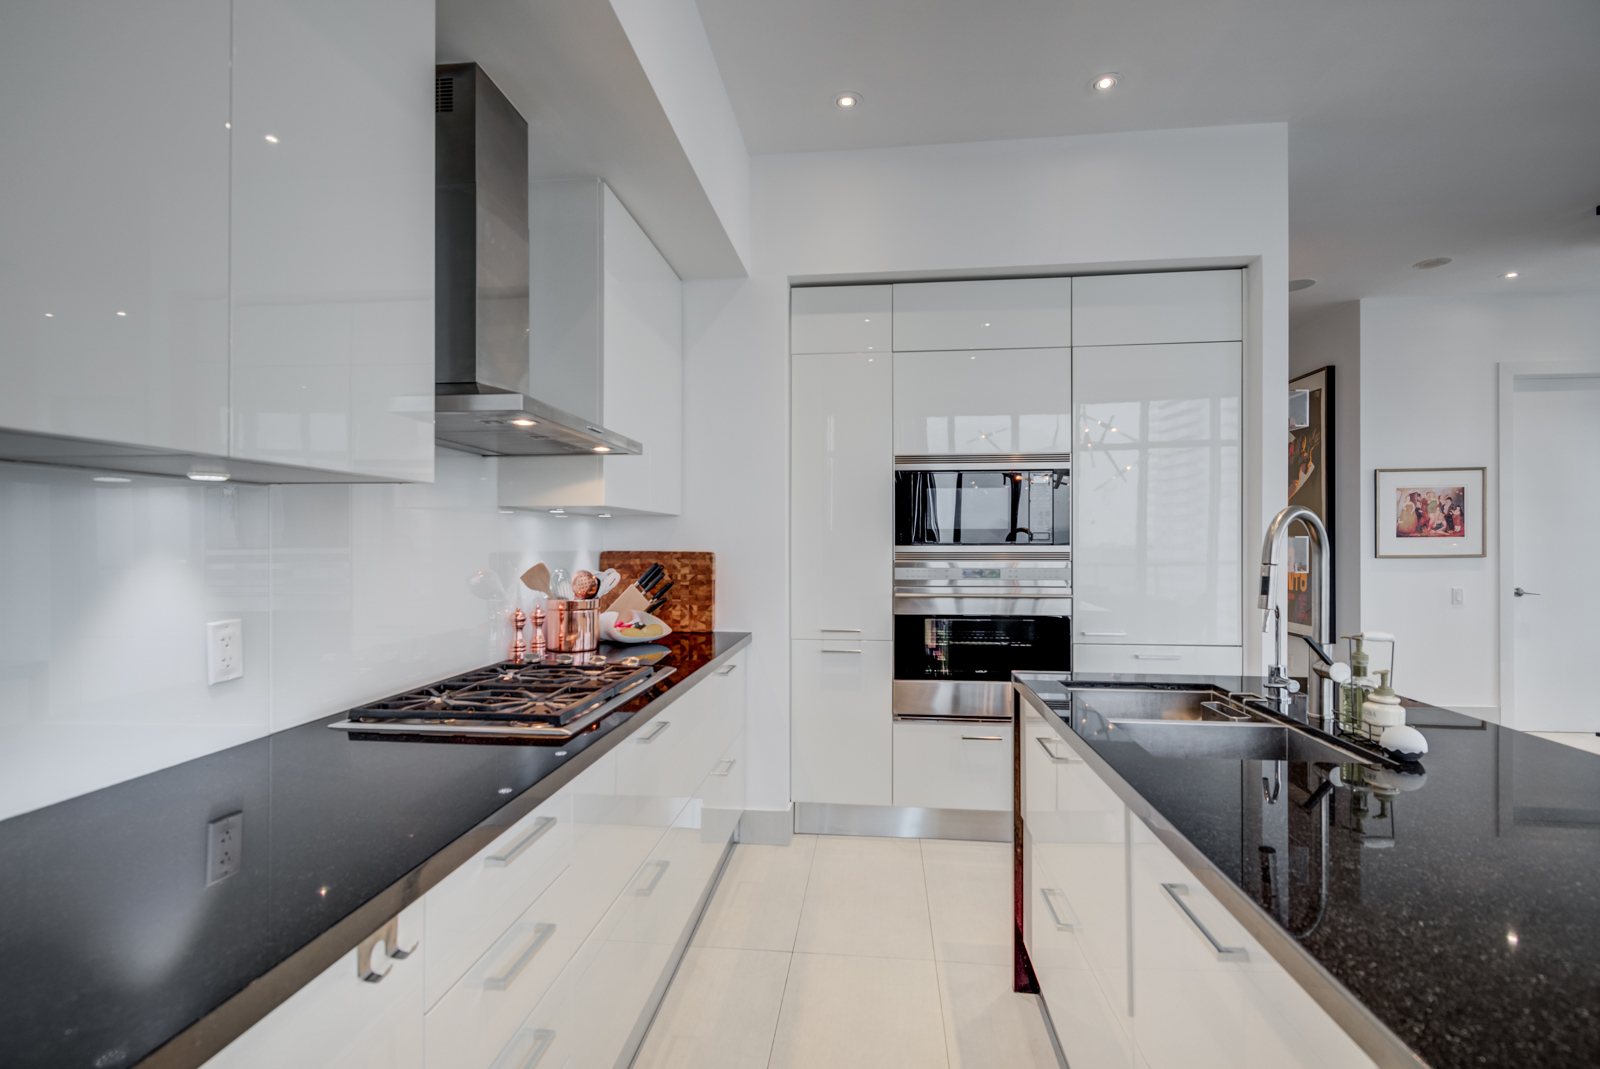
551 699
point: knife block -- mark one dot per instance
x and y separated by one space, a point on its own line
692 603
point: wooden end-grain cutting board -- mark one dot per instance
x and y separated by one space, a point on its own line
691 605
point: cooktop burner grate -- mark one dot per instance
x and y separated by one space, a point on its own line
526 693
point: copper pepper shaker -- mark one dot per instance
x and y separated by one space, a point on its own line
519 648
538 632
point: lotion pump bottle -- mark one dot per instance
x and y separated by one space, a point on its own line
1382 708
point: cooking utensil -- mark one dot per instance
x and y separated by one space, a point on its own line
560 585
537 578
585 585
608 581
660 594
572 626
652 575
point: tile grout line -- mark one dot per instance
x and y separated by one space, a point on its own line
789 970
933 946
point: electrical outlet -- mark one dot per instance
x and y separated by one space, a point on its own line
224 650
1458 595
224 847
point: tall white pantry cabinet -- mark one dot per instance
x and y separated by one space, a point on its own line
1138 376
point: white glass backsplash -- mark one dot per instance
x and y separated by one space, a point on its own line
347 593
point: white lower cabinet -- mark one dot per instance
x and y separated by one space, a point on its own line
952 766
840 722
1159 660
340 1021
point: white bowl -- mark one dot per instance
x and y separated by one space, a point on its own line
627 635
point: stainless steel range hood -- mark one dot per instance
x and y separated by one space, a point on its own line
484 401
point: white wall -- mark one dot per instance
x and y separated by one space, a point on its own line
347 593
1167 198
1429 398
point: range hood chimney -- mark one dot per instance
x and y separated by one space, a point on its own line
481 357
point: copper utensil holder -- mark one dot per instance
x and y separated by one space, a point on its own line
572 626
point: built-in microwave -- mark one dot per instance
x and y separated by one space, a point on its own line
982 503
959 667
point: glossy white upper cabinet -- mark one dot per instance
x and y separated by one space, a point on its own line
841 505
840 721
1156 542
1012 313
983 402
840 319
1179 306
114 223
332 214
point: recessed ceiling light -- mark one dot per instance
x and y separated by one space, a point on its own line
49 315
122 313
522 423
274 140
847 100
209 476
1297 284
1437 261
1509 274
602 449
1105 82
111 479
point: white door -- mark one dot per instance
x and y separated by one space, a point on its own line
1556 436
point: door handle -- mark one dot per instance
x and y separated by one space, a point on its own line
1052 895
655 732
1521 593
542 1038
724 767
983 738
1223 953
540 826
389 936
826 650
1156 657
1103 634
503 982
1055 758
728 671
661 870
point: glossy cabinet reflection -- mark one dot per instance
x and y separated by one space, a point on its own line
981 403
1147 309
1012 313
332 235
841 513
840 319
840 723
114 225
1156 546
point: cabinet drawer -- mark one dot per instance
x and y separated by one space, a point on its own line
985 401
840 319
952 766
1016 313
840 724
723 794
475 904
339 1021
1158 660
661 764
1175 306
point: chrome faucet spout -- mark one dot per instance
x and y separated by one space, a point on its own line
1271 600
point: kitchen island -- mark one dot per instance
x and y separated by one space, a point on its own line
1183 905
115 950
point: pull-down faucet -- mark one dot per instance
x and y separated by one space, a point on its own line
1319 697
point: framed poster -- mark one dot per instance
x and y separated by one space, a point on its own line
1310 484
1428 512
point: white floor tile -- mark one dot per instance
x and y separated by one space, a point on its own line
969 900
866 897
843 1012
757 904
720 1012
987 1024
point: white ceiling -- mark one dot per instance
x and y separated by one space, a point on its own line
1417 128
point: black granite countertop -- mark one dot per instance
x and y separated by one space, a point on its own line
1463 901
113 949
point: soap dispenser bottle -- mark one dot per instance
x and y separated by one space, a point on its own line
1353 694
1382 709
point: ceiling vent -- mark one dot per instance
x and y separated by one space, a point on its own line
444 94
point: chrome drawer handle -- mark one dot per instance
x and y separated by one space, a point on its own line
724 767
840 630
1156 657
983 738
389 936
540 826
655 732
542 1038
503 982
1223 953
728 671
1103 634
1055 758
661 870
826 650
1052 895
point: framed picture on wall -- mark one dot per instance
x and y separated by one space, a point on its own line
1310 482
1429 512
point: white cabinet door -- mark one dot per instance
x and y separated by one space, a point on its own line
332 235
841 496
989 402
1013 313
340 1021
840 319
840 722
1178 306
1157 479
114 225
1158 660
952 766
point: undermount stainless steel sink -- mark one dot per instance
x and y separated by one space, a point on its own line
1168 723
